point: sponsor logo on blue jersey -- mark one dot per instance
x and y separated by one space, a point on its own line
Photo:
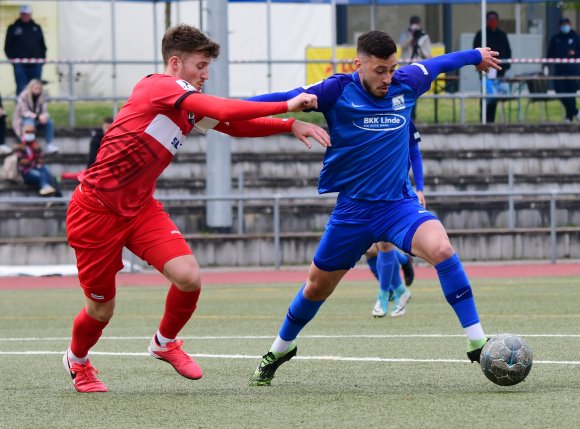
380 122
399 102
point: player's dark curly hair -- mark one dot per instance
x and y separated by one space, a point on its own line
376 43
185 39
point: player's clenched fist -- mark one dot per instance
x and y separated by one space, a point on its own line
302 102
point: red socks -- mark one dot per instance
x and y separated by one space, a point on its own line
179 306
85 333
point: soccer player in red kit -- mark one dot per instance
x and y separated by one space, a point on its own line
113 206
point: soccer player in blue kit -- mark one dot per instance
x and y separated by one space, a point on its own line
368 114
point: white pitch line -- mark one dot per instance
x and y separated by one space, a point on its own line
265 337
318 358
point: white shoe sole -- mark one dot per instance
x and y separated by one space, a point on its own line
399 313
401 308
378 311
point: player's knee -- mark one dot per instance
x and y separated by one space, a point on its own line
319 289
101 311
184 273
442 252
314 293
385 246
188 280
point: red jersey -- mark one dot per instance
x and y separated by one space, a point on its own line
149 130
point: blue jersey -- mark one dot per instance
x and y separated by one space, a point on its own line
369 156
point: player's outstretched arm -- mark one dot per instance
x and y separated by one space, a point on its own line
259 127
225 109
302 102
263 127
277 96
420 75
304 130
480 57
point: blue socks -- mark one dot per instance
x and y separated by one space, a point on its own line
300 312
386 264
396 283
403 258
372 262
457 290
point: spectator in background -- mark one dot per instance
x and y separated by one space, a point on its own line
32 105
96 139
415 43
566 44
24 39
498 41
31 163
415 46
4 149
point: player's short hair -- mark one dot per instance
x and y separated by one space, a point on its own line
376 43
184 39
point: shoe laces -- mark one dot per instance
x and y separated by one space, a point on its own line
175 350
267 359
175 345
87 371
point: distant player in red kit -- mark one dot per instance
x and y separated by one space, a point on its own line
113 206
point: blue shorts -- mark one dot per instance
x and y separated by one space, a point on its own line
356 224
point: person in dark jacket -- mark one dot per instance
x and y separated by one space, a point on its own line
24 40
566 44
498 41
96 139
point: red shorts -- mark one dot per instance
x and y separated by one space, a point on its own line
98 236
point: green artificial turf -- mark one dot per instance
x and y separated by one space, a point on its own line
235 324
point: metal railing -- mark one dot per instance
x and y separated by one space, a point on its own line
71 98
276 199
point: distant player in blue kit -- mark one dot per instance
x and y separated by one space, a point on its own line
368 114
384 260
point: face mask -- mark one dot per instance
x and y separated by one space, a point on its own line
29 137
565 29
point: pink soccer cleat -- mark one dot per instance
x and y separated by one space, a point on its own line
174 354
84 376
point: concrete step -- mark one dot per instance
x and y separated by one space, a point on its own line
22 220
298 248
472 162
254 184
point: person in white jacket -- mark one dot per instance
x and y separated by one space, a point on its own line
415 43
